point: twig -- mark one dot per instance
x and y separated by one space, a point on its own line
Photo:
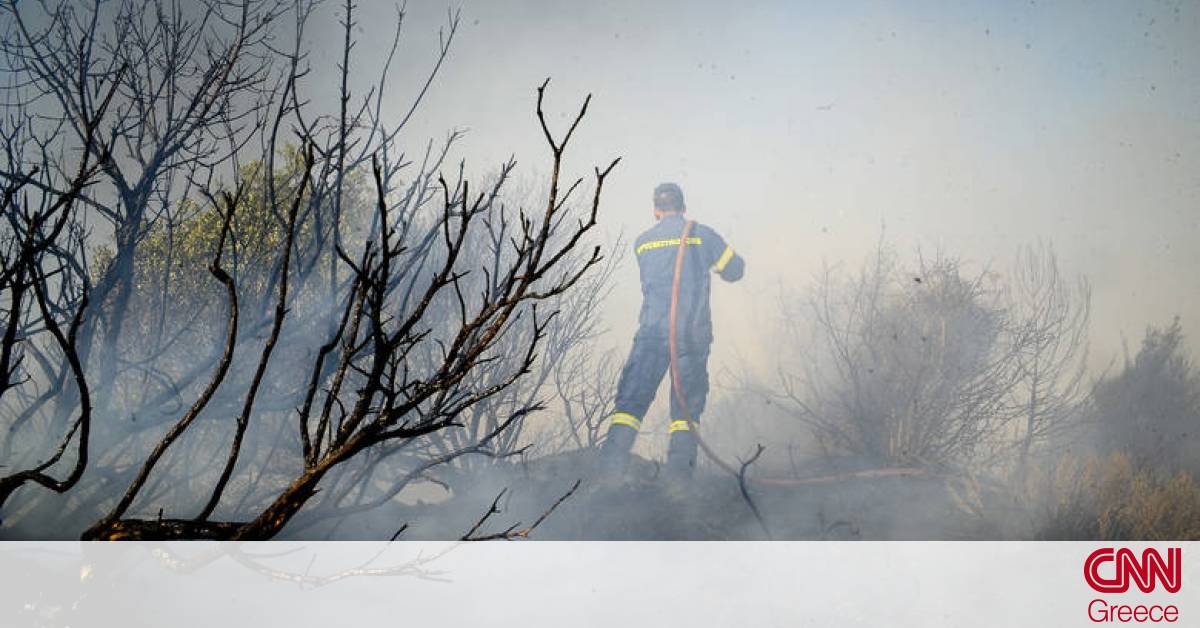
746 494
512 532
492 510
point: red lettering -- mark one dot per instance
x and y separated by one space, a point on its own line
1146 573
1101 612
1091 572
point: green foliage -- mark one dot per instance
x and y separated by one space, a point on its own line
176 307
178 252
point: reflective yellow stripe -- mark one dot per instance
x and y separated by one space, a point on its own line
681 425
626 419
723 261
658 244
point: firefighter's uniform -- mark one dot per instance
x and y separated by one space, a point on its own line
656 250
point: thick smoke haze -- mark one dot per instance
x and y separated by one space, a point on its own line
804 131
969 309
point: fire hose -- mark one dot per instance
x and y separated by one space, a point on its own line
694 426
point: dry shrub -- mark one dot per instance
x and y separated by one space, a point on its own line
1110 499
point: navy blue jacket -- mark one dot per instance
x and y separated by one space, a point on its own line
706 253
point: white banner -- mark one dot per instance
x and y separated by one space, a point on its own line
606 585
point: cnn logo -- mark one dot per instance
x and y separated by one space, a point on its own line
1145 573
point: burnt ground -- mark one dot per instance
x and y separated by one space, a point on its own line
644 507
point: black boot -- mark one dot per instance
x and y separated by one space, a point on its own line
614 453
681 458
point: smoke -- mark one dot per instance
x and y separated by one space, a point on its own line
795 132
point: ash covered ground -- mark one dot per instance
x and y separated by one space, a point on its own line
643 506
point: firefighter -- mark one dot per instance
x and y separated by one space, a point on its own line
705 253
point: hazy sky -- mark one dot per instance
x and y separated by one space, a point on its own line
799 129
